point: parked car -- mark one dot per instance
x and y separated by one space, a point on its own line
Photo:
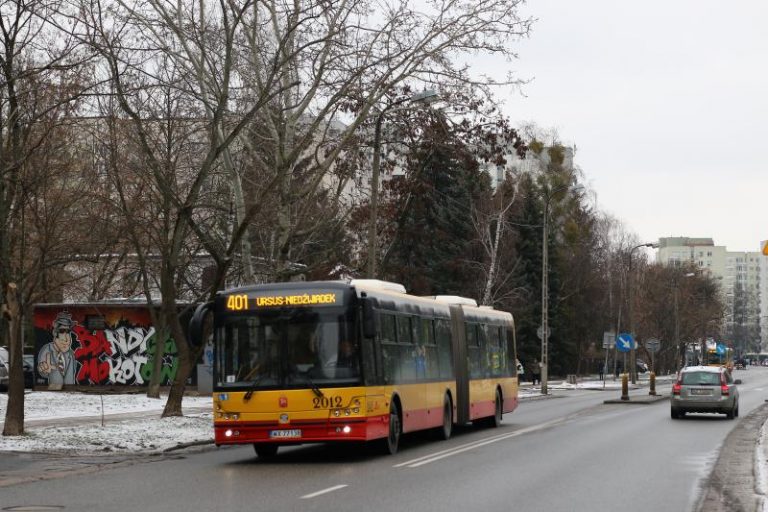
3 369
29 369
707 389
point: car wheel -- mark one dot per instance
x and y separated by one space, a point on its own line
737 410
730 414
675 415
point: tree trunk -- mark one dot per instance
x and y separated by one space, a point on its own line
161 334
14 416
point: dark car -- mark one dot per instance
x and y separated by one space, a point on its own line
705 389
3 369
29 370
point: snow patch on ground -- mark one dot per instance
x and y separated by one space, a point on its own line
147 432
147 436
63 404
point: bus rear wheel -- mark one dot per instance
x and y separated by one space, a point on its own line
446 429
495 420
265 450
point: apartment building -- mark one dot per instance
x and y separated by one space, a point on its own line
742 276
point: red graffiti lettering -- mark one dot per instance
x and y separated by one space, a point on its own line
93 367
93 371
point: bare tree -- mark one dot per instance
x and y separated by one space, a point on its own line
41 76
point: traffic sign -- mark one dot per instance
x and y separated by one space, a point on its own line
764 243
609 338
720 348
624 342
653 345
540 332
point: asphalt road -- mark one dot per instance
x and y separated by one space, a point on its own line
571 452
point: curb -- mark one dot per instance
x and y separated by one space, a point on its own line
732 485
182 446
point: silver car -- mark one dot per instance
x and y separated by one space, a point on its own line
3 369
705 389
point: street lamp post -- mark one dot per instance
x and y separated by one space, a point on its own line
545 288
423 98
676 289
633 352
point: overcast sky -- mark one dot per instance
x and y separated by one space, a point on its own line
666 102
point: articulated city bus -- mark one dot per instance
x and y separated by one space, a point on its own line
356 360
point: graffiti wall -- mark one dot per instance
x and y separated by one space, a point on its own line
98 345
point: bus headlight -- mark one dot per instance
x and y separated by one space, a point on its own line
337 412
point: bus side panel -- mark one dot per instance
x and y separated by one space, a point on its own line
436 392
509 391
482 395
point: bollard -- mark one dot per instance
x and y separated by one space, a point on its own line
653 384
624 386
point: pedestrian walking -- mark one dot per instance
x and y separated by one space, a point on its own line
534 369
601 371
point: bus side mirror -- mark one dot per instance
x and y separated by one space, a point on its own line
369 319
196 324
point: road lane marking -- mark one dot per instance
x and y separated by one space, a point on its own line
324 491
434 457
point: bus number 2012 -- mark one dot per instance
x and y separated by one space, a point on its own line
326 402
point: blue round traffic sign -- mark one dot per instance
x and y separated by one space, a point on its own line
624 342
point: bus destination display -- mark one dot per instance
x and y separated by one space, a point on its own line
244 302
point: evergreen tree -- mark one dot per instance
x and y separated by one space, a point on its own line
434 235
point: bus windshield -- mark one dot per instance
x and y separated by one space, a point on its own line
287 348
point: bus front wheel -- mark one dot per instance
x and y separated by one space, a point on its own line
395 429
265 450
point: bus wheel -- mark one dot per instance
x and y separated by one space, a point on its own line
265 450
393 438
447 429
495 420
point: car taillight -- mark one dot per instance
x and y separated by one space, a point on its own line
723 386
676 388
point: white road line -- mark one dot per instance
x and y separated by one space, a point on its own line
447 451
415 463
324 491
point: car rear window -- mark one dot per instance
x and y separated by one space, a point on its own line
701 378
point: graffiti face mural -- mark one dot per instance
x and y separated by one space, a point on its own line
120 350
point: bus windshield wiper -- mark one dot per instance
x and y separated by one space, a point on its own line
315 389
255 382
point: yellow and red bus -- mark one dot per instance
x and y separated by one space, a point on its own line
356 360
719 355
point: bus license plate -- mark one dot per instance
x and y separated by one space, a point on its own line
285 434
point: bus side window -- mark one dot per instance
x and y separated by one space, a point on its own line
389 350
432 367
406 352
444 348
496 362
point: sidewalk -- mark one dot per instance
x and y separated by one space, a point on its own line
72 423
